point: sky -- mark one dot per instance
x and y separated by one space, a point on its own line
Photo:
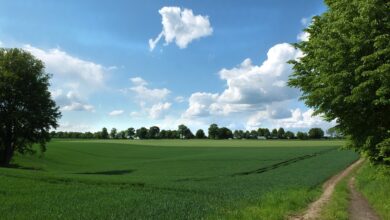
142 63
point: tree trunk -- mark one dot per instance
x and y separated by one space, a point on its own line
6 157
8 150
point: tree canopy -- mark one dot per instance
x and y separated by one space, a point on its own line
27 111
345 72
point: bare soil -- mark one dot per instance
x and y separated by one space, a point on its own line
359 208
314 209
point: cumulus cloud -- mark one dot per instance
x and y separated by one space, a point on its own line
179 99
298 119
181 26
116 113
70 101
303 36
159 109
249 86
73 79
145 95
63 65
255 96
150 100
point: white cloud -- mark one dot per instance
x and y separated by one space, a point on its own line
77 106
249 86
180 99
255 96
305 21
144 94
73 79
150 100
67 126
303 36
70 101
181 26
297 120
63 65
158 110
116 113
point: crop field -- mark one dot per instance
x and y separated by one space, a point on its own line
169 179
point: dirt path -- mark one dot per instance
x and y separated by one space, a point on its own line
314 209
359 208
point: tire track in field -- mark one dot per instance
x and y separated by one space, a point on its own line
264 169
283 163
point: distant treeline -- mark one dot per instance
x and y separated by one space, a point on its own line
183 132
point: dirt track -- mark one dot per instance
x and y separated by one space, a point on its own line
314 208
359 208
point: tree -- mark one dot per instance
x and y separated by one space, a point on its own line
153 132
224 133
163 134
274 133
302 135
104 134
121 135
130 133
254 134
238 134
213 131
142 133
200 134
184 132
289 135
27 111
344 74
281 133
266 133
113 133
316 133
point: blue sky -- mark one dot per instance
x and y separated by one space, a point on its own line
215 62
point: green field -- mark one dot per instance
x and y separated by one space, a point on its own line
169 179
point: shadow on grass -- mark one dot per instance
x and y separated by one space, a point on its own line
17 166
109 172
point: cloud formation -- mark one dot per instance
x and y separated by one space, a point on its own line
248 86
73 79
116 113
181 26
151 100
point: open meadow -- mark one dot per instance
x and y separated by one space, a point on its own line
169 179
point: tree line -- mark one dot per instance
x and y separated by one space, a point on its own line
183 132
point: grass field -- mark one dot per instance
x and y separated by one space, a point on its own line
169 179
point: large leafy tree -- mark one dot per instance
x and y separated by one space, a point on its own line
345 72
27 112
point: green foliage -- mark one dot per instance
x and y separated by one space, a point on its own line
168 179
374 183
142 133
200 134
281 133
337 208
27 112
289 135
316 133
113 133
302 135
153 132
130 133
104 133
213 131
344 74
